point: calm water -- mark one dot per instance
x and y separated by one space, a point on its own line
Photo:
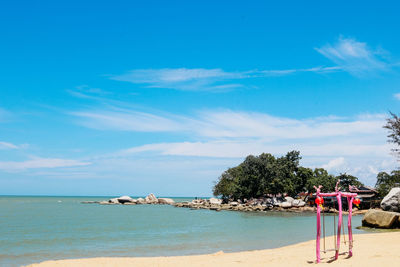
34 229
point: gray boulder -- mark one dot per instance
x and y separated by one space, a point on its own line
391 202
289 199
298 203
167 201
380 219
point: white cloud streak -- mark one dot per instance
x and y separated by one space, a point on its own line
39 163
347 54
6 145
397 96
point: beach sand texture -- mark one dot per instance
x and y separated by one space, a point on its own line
378 249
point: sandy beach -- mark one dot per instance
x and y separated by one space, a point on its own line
378 249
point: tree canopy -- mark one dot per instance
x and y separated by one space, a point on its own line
393 125
265 174
386 181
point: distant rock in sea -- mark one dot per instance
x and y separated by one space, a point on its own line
168 201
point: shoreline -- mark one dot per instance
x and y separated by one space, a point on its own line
369 250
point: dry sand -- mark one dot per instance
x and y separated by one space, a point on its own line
381 249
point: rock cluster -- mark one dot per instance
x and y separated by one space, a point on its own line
127 200
381 219
264 204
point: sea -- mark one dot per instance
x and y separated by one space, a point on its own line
39 228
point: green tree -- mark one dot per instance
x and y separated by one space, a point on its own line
346 180
321 177
265 174
393 125
386 181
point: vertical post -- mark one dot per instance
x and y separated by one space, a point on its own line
318 231
350 203
339 200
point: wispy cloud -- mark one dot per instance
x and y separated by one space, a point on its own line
128 120
6 145
397 96
38 163
354 57
216 124
182 78
347 54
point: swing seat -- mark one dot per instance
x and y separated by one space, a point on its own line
328 250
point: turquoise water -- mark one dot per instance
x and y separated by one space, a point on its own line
34 229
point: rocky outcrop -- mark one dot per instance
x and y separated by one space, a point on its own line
381 219
168 201
298 203
140 201
286 205
113 201
151 199
289 199
252 205
391 202
125 199
215 201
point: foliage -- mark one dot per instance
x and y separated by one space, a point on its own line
393 125
265 174
386 181
346 180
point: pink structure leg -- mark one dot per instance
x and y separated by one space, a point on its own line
339 200
350 204
338 194
318 233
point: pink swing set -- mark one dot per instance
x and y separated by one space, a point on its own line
351 198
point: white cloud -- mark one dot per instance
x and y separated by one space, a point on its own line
353 56
232 124
38 163
201 79
334 164
397 96
182 78
128 120
240 149
6 145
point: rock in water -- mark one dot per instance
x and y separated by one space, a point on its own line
113 201
124 199
215 201
140 201
391 202
151 199
167 201
380 219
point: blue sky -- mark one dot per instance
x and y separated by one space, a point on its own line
129 97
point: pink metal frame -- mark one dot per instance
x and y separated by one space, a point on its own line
338 194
